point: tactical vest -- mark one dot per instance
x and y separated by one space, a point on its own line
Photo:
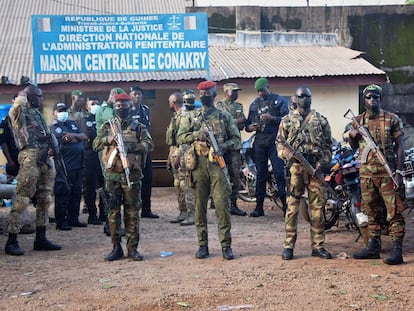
308 138
110 154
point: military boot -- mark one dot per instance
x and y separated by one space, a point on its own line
202 252
395 257
370 252
179 218
258 211
189 220
116 253
12 246
43 244
235 210
134 255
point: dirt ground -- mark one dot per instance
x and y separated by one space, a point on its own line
77 277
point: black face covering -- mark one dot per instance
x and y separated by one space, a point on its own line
234 96
122 113
207 100
189 107
172 109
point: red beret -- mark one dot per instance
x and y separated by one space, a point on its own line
122 96
205 85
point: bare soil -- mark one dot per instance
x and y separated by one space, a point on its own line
78 278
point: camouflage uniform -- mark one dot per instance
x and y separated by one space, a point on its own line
207 178
234 163
37 172
376 185
177 165
313 140
137 142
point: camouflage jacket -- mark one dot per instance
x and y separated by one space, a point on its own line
220 122
312 139
384 129
138 142
235 109
28 125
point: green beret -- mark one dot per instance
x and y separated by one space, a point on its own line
373 88
260 83
77 93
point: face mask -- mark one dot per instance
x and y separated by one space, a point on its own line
94 109
172 109
234 96
122 113
207 100
189 107
62 116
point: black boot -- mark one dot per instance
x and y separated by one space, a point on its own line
372 251
395 258
258 211
43 244
134 255
202 252
12 246
227 253
116 253
235 210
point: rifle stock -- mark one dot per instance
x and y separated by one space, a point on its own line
372 146
60 165
123 155
308 167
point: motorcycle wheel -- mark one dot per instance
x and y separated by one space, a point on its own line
247 191
330 213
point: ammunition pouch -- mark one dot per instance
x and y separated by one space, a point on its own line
190 158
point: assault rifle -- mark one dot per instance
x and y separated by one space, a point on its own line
371 146
308 167
120 148
60 165
217 153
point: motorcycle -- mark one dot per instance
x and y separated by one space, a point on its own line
248 175
342 175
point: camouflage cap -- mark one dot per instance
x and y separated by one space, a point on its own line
373 88
231 87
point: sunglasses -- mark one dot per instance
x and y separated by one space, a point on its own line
302 96
372 97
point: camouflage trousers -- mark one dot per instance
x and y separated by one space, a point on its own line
376 192
208 179
234 173
181 185
33 181
130 198
299 182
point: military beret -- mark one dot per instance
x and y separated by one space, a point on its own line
77 93
373 88
205 85
260 83
60 107
231 87
122 96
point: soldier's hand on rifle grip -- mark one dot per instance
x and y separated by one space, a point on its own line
111 139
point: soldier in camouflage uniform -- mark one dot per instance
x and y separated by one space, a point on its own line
36 175
386 129
233 158
208 178
309 133
77 111
138 143
174 162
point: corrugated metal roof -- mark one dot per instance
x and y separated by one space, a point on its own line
16 55
288 62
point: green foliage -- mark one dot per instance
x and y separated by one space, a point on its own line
409 2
